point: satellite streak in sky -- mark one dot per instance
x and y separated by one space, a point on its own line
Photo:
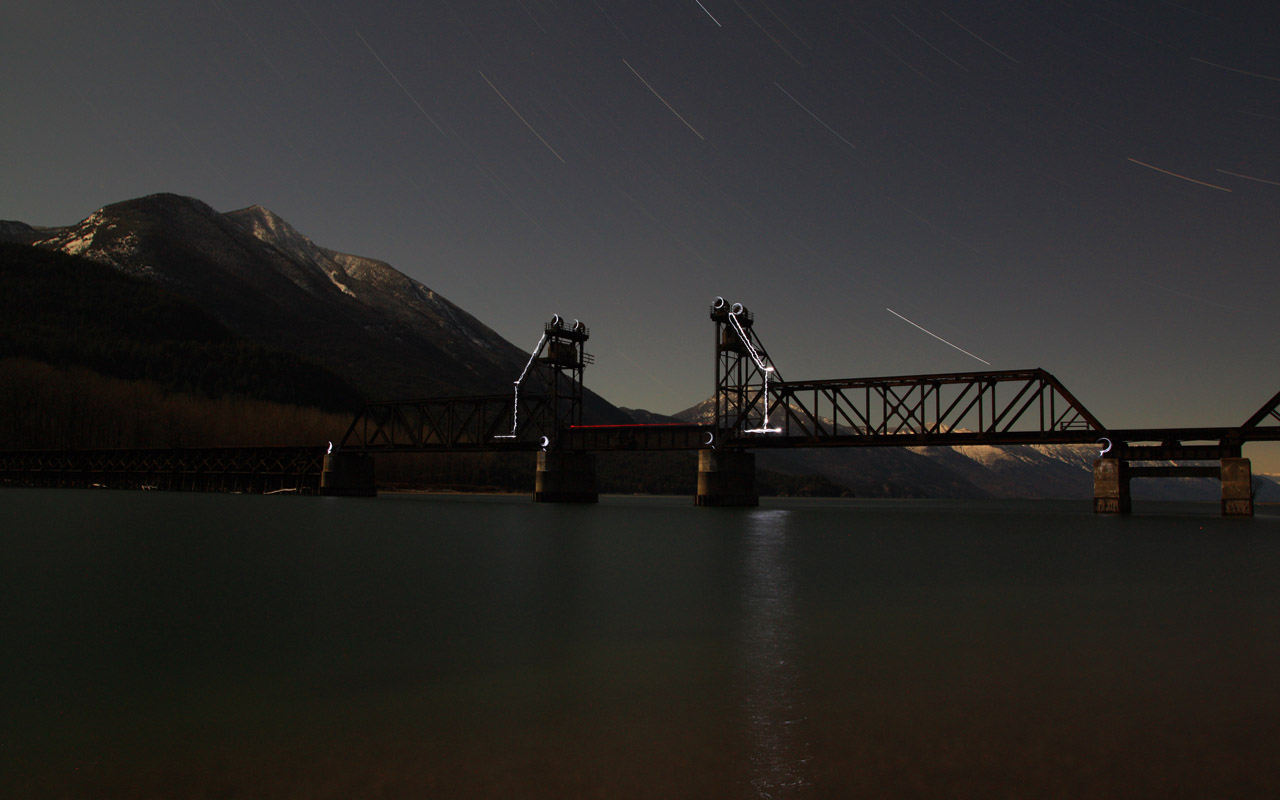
815 116
521 117
407 93
928 43
766 32
936 336
1183 177
664 102
1248 177
1233 69
708 13
979 38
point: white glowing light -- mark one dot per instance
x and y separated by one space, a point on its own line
1108 450
330 450
545 442
515 402
711 440
760 364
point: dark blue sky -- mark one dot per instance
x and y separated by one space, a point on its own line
1092 188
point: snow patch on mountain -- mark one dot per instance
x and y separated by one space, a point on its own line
333 277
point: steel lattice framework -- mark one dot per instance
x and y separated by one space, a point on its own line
1271 409
744 372
754 407
546 400
977 407
452 423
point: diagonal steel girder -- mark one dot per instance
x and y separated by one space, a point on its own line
991 403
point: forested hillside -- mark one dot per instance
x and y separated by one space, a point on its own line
69 311
93 358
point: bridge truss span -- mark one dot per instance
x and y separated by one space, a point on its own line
452 424
545 399
961 408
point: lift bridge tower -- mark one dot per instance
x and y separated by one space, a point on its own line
564 354
564 475
726 474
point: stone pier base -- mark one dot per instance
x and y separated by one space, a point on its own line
565 477
1111 478
348 475
1111 486
726 478
1237 487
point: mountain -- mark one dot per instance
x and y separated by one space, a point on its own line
18 232
388 335
66 311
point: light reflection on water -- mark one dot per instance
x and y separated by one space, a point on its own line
165 645
771 703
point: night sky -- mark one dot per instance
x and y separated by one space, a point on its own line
1091 188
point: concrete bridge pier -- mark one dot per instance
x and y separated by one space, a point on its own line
1111 486
1237 487
565 477
1111 477
726 478
348 475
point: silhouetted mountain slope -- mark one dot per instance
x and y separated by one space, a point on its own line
17 232
69 311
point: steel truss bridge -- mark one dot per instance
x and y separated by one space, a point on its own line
755 408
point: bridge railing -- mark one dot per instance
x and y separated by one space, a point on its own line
972 406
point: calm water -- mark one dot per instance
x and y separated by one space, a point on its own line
169 645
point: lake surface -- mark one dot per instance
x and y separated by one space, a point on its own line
190 645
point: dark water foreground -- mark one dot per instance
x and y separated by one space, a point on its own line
210 646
